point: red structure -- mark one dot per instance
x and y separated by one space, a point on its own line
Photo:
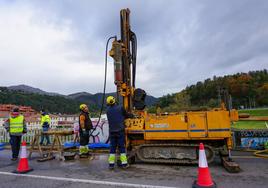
25 110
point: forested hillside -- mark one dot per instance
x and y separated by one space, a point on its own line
96 99
28 96
246 89
54 104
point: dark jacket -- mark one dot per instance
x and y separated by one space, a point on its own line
116 115
88 122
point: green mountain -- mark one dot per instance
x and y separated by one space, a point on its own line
53 102
247 90
28 89
96 99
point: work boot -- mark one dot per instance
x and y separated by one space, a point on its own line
124 166
83 155
90 156
111 166
14 158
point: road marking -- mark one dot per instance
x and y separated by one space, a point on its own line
108 183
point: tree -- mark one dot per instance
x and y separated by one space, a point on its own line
262 95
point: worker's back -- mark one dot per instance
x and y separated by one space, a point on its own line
116 117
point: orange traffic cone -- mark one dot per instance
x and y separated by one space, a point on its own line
23 166
204 178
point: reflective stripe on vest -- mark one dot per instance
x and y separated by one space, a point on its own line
44 119
16 124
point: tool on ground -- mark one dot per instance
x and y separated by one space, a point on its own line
23 166
204 178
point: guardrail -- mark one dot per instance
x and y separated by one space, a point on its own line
254 139
249 138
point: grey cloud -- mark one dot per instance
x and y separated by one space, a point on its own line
179 42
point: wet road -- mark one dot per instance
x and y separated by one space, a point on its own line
94 173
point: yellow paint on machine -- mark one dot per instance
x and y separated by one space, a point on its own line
184 126
218 124
165 127
234 115
197 124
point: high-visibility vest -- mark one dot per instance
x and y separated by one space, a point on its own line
44 119
16 124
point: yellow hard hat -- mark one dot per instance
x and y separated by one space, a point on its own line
82 106
110 100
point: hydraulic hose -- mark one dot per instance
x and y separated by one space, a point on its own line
104 83
257 153
260 153
133 40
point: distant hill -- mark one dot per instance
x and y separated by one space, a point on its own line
29 89
54 102
97 98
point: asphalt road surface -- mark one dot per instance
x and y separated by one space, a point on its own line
95 173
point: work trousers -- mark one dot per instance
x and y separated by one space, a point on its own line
15 145
43 137
84 138
117 139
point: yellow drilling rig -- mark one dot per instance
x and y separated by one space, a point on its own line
165 138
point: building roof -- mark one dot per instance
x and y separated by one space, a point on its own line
4 114
9 107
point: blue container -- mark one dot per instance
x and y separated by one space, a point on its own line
98 145
71 144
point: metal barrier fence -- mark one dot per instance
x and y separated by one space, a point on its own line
4 136
253 139
241 138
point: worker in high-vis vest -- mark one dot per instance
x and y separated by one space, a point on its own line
116 115
85 126
16 127
45 123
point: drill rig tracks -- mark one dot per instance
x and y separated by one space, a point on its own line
183 154
172 153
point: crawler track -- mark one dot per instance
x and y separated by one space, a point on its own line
172 153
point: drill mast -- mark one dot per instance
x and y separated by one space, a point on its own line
124 53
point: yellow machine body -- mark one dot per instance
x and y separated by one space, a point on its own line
201 125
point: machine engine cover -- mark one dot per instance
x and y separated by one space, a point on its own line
139 99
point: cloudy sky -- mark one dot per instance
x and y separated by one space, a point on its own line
59 46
